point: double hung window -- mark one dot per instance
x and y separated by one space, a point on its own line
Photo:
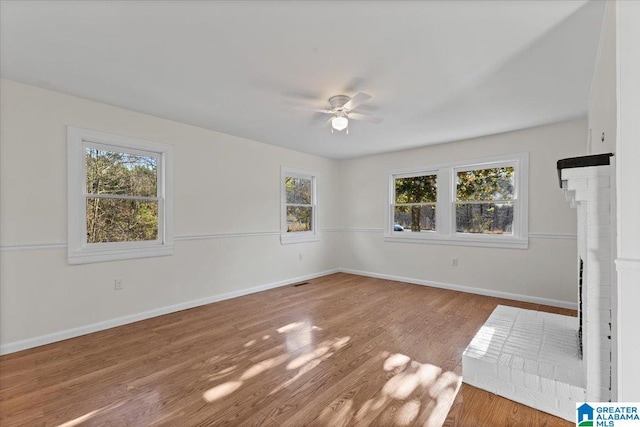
119 197
477 203
414 205
299 209
485 200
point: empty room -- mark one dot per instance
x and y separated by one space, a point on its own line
293 213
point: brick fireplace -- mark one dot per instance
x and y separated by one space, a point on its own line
588 183
549 361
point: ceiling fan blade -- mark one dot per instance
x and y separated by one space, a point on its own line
358 99
315 110
365 117
318 119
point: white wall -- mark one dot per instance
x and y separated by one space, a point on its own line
602 100
223 184
546 270
628 198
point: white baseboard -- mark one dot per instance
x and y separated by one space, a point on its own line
468 289
12 347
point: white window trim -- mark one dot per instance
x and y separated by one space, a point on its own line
445 233
301 236
78 250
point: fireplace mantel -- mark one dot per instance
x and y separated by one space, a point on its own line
583 162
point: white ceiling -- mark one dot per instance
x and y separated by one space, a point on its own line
437 71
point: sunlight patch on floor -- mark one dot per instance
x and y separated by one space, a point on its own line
395 361
223 373
260 367
89 415
291 327
408 413
297 335
220 391
306 358
416 393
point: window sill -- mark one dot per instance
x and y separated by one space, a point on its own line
287 239
479 241
102 255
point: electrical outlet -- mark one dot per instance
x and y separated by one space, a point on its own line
118 284
454 262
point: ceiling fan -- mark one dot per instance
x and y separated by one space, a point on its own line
341 111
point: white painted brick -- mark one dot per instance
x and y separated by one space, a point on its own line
600 395
490 383
577 184
539 349
531 366
578 394
517 363
599 182
601 220
480 366
505 389
505 360
563 390
602 195
536 398
585 173
523 396
548 405
504 373
563 376
517 377
471 380
532 381
596 233
567 409
548 386
574 376
545 370
474 353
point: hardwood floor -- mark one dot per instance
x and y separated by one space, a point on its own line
342 350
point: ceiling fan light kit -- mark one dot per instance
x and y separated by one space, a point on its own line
339 123
342 108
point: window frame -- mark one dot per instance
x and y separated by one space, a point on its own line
413 174
79 251
313 235
446 200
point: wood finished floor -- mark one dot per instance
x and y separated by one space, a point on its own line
342 350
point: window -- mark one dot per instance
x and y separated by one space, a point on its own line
414 207
485 200
299 212
477 203
120 201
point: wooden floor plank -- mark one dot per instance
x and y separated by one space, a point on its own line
342 350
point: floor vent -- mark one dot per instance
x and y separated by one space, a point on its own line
300 284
